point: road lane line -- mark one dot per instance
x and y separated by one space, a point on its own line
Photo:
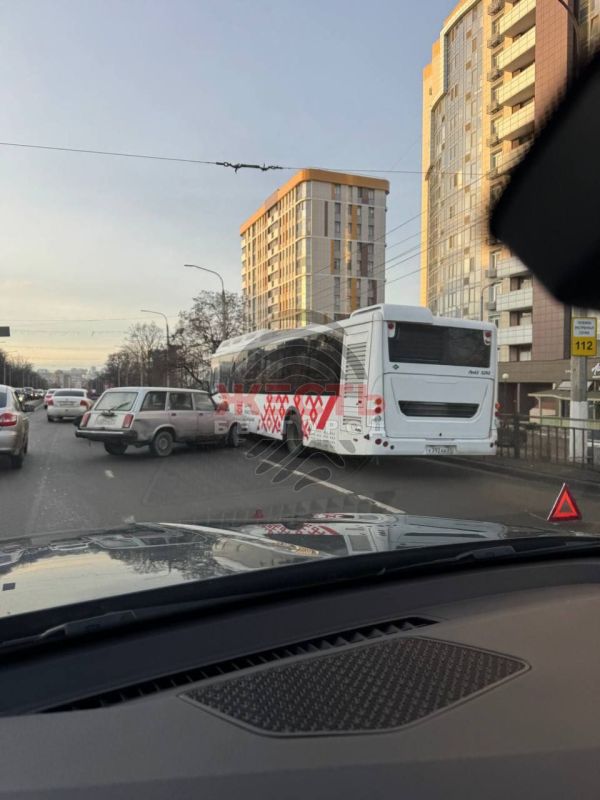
391 509
334 486
309 478
109 473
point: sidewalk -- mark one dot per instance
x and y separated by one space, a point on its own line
585 479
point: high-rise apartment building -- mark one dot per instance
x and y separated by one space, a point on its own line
494 73
315 250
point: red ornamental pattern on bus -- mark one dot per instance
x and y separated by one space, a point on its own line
315 409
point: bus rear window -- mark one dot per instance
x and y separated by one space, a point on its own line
414 343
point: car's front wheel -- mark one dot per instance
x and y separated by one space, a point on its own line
115 448
162 444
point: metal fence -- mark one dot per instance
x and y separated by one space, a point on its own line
557 440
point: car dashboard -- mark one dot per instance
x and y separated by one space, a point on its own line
481 684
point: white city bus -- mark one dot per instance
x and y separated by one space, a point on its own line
389 380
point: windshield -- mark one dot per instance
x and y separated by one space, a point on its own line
248 284
113 401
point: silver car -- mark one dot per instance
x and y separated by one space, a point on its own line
157 417
14 427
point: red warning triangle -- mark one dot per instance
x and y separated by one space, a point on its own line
564 508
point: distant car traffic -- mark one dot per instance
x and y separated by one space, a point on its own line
47 396
157 417
68 404
14 427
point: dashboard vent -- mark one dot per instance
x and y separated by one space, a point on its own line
176 680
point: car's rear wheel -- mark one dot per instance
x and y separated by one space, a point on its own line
162 444
18 459
233 437
115 448
49 418
293 436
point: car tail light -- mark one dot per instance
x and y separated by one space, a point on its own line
8 419
50 401
85 419
127 420
83 403
223 406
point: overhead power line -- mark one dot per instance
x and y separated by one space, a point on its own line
234 165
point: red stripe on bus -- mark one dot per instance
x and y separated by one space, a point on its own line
331 401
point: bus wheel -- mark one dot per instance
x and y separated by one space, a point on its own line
293 436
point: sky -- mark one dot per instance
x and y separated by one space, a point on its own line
87 241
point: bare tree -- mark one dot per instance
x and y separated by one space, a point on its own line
142 340
202 329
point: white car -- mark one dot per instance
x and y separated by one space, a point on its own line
68 404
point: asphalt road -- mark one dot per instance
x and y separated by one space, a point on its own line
69 484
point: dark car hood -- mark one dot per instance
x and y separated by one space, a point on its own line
52 570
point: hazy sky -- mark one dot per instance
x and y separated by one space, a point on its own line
87 241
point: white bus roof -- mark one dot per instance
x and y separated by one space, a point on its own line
384 311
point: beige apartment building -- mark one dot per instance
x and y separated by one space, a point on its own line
315 250
494 73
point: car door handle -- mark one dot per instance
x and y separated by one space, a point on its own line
173 413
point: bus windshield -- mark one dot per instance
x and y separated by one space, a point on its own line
416 343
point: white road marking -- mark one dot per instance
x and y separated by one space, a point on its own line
109 473
334 486
391 509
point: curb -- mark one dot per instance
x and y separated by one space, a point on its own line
585 486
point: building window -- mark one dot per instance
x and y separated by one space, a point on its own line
358 231
371 196
338 228
336 264
337 192
338 210
371 232
371 214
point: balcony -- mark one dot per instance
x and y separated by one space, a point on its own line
520 53
511 158
515 334
494 74
495 39
495 6
513 301
509 267
519 19
519 123
519 88
493 107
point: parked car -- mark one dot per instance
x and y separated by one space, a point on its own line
157 417
68 404
47 396
14 427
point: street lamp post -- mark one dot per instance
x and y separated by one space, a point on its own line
164 316
214 272
579 393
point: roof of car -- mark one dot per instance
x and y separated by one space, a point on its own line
154 389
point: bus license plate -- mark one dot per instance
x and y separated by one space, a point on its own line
439 450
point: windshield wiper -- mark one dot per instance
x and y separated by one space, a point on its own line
108 411
326 575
